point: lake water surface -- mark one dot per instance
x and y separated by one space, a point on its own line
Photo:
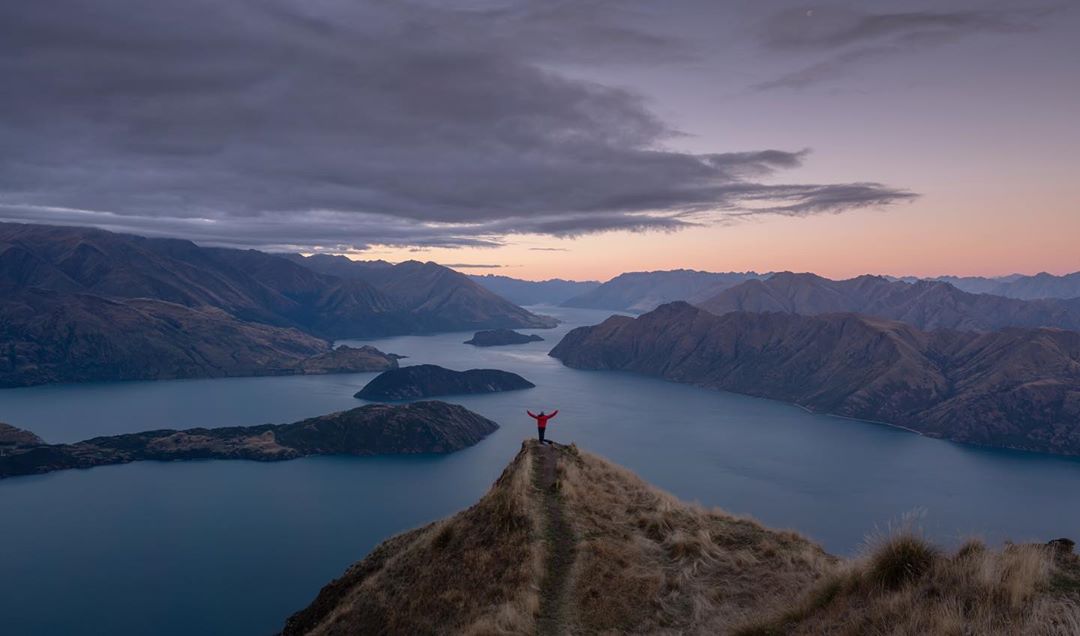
233 547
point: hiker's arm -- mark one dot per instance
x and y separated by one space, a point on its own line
554 413
530 414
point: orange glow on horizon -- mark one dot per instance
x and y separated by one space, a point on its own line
910 240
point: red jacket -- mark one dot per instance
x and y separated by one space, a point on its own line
542 420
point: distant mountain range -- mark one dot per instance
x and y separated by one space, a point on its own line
86 304
925 304
644 291
1041 285
529 292
1014 388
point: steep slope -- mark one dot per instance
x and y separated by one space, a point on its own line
567 543
252 285
554 291
436 298
48 336
377 429
322 304
1016 388
86 260
644 291
925 304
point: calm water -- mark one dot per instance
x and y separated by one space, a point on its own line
227 547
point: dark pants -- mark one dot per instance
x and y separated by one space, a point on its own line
540 432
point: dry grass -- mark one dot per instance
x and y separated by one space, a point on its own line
643 562
473 573
649 563
904 586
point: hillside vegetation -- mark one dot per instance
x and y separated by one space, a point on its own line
80 304
1013 388
567 543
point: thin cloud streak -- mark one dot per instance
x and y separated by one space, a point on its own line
849 38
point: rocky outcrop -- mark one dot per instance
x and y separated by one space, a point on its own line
924 304
378 429
429 380
500 337
1015 388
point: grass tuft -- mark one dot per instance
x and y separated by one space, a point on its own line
900 560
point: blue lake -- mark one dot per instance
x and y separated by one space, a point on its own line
231 547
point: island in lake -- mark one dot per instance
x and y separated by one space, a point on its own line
376 429
500 337
429 380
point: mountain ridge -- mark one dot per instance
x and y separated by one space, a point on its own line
553 291
81 304
925 304
1015 388
566 542
1022 286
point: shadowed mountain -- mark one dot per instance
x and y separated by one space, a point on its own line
377 429
47 336
644 291
252 285
925 304
430 380
529 292
1014 388
436 298
85 304
565 542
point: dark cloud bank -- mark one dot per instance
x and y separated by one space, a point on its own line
340 124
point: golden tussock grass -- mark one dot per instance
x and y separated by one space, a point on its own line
904 586
649 563
470 574
642 562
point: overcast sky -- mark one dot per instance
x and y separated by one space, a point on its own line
557 138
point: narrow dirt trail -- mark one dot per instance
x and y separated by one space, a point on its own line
560 544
